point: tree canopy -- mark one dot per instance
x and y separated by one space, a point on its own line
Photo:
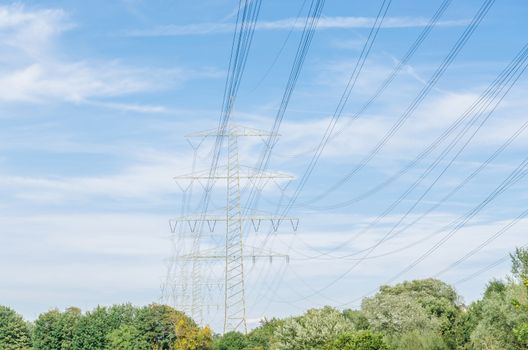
413 315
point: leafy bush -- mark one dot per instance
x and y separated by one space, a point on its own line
361 340
126 337
417 340
312 330
14 332
231 341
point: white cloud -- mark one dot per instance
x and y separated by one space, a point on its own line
74 82
132 107
147 179
33 71
288 23
31 31
82 259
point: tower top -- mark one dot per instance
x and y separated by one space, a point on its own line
232 130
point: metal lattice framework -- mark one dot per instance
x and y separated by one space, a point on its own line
234 252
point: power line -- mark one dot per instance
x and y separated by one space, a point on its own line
390 78
519 67
509 75
484 269
514 177
468 32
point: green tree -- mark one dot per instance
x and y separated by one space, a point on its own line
92 330
495 317
417 340
54 330
495 286
47 333
94 327
361 340
312 330
396 314
261 337
231 341
158 325
126 337
358 319
426 305
521 334
191 337
14 331
519 261
69 320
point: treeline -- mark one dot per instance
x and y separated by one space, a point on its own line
416 315
153 327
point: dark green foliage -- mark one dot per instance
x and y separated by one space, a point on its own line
47 333
94 327
54 330
361 340
92 330
262 336
231 341
157 325
357 318
14 332
495 286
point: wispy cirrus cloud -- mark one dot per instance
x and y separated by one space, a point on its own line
31 31
290 23
34 70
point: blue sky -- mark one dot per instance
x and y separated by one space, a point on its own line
96 98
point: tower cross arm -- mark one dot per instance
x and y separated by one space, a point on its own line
233 130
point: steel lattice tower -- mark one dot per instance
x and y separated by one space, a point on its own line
234 251
235 301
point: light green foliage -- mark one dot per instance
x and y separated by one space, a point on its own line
499 318
14 332
312 330
126 337
190 337
396 314
520 263
361 340
417 340
496 317
521 334
426 305
54 330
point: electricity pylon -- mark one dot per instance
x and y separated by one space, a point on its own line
233 252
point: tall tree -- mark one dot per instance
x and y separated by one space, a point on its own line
158 325
312 330
14 331
54 330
